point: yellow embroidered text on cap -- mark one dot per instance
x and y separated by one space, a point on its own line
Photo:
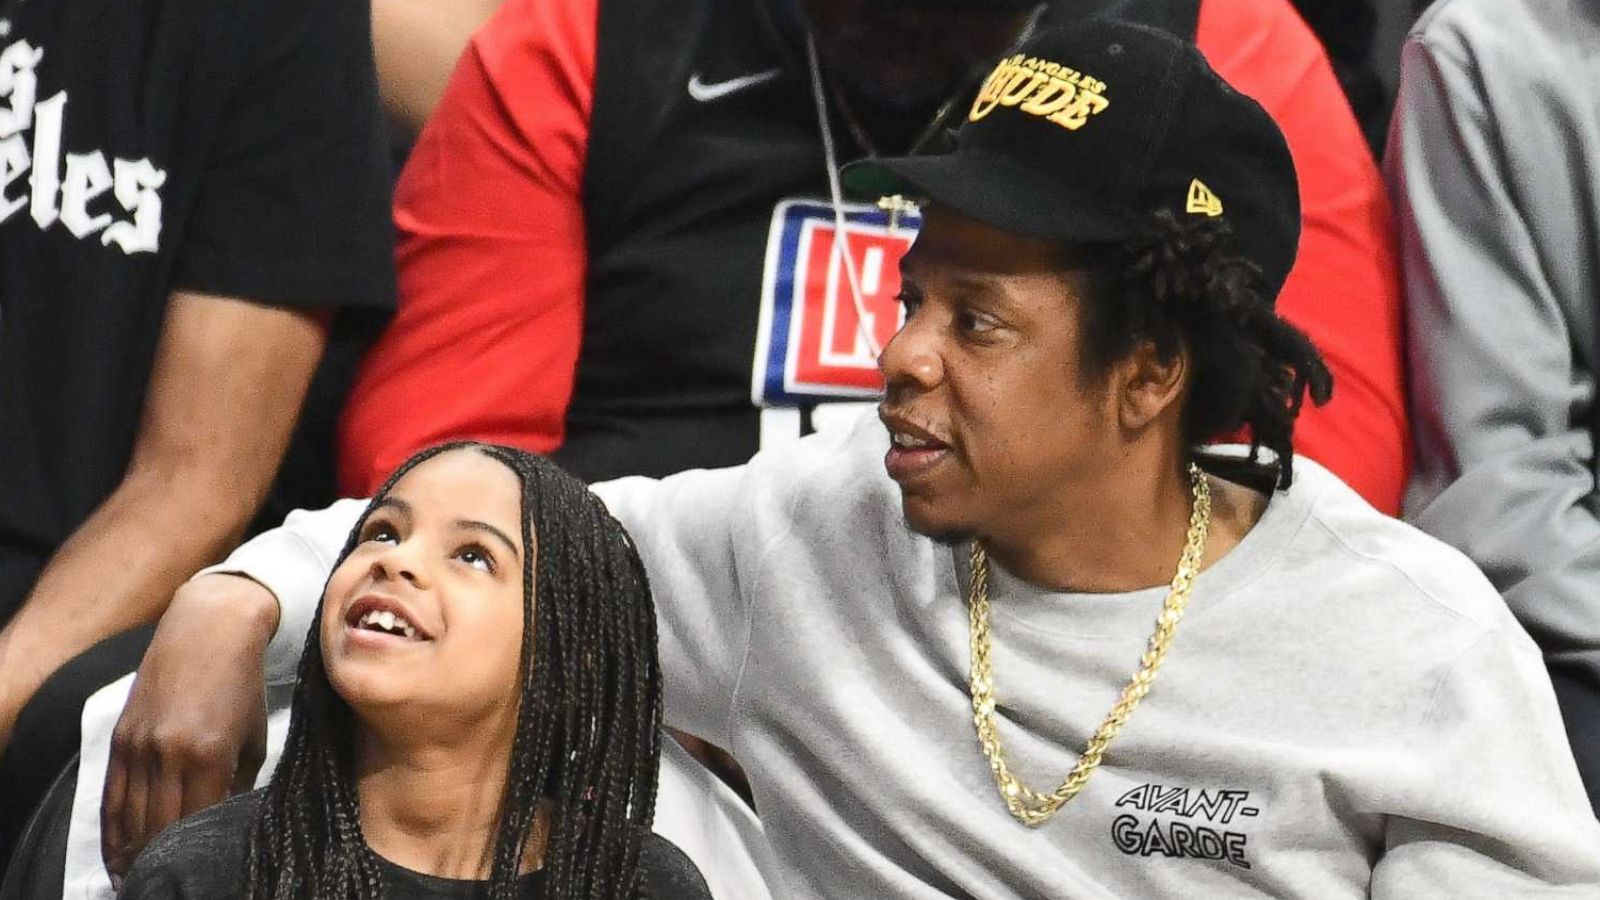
1202 201
1041 88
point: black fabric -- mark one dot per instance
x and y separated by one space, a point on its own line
40 867
1133 124
228 148
1349 31
201 858
1579 699
46 733
679 200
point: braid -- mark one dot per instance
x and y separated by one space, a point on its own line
587 741
1182 286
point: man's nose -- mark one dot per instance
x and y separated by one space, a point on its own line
911 359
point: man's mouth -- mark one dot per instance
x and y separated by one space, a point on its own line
913 450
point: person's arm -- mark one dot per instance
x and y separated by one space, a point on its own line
193 732
291 209
417 43
492 255
700 534
227 384
1499 258
1484 802
1344 291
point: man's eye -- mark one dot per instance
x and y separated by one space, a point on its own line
910 301
976 322
476 557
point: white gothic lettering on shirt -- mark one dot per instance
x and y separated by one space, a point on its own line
68 189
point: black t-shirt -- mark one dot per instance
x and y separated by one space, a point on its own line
201 858
232 148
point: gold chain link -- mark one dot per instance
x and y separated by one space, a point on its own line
1029 806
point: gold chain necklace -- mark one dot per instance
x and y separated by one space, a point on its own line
1029 806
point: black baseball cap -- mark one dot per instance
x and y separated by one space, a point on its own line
1082 133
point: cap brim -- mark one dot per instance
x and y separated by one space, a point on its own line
992 190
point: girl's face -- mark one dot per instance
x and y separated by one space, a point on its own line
424 618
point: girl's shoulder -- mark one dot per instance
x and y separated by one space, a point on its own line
202 855
667 872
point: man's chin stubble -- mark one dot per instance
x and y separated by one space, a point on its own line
945 537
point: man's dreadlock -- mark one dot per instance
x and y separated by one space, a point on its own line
1182 286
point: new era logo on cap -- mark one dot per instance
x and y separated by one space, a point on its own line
1202 202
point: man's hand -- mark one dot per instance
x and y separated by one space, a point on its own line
194 729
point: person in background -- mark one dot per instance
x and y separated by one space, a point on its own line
416 44
1492 166
189 190
1349 28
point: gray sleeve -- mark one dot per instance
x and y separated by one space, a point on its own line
705 537
1489 804
1493 188
293 561
691 532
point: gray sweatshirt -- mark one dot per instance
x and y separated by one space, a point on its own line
1348 709
1495 164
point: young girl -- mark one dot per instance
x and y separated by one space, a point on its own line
478 710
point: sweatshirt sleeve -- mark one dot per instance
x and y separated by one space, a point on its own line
1489 804
1344 290
491 253
705 537
695 534
1499 250
293 561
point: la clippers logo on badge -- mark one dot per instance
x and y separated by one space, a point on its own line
813 343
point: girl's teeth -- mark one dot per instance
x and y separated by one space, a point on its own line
386 620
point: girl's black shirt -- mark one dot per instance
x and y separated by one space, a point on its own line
203 857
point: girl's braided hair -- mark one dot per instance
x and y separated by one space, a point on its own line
588 734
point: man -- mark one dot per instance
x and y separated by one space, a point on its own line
1089 301
187 190
1502 207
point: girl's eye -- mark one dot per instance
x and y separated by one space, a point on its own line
382 534
476 557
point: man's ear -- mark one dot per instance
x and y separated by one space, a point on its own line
1150 385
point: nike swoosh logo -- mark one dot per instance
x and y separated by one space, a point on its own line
705 93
